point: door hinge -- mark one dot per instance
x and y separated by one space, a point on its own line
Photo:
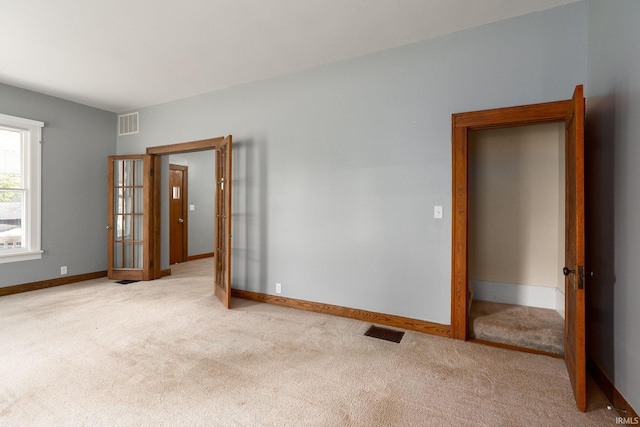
150 264
150 172
580 277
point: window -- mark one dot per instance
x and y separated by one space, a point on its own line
19 189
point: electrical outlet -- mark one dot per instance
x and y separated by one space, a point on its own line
63 270
278 288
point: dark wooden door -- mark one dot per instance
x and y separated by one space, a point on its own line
574 340
129 221
177 214
222 226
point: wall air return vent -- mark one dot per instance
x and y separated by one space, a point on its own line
128 124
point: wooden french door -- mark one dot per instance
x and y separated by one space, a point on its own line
574 270
222 227
571 112
128 219
178 221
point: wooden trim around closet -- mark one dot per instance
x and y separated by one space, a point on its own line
461 125
522 115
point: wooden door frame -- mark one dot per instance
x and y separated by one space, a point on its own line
156 152
185 210
462 124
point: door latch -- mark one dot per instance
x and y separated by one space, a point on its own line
580 277
579 282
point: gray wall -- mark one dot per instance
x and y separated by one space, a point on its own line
337 169
201 195
613 201
76 142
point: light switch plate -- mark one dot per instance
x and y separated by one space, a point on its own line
437 212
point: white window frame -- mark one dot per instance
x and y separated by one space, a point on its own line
32 168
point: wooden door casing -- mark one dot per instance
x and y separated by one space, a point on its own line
222 244
462 124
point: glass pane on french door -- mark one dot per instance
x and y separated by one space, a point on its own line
128 206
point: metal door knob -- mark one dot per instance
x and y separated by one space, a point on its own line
180 220
566 271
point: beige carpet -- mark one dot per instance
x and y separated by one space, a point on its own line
529 327
166 353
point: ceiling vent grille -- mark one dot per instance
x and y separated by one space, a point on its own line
128 124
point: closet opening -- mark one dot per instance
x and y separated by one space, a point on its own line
516 187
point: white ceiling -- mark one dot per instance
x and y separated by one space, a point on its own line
124 54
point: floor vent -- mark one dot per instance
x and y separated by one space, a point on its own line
126 282
384 334
128 124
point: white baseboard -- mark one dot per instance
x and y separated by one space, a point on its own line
510 293
560 302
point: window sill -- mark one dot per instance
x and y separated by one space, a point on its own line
20 256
